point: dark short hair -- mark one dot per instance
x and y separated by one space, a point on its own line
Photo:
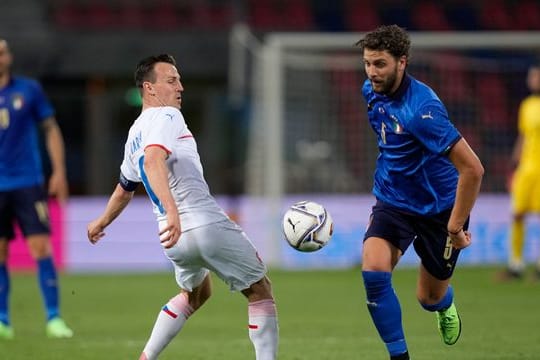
391 38
145 68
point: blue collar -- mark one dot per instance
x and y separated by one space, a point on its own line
402 88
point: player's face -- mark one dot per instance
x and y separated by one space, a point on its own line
533 79
5 58
167 87
384 70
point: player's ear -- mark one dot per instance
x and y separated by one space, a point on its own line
402 63
149 88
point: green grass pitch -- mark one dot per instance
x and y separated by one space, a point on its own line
322 316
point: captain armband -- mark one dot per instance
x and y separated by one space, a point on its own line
126 184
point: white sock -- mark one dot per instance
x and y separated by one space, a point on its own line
263 329
169 322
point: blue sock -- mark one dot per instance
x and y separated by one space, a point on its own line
383 305
445 302
4 294
49 286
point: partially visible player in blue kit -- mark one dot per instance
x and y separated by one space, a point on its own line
426 182
23 198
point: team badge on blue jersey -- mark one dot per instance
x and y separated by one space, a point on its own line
396 126
17 101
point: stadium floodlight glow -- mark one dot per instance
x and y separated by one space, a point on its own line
133 97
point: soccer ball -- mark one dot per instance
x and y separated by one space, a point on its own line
307 226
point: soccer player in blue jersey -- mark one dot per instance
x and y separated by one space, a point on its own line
23 199
426 182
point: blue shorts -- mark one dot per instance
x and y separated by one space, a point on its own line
28 207
428 234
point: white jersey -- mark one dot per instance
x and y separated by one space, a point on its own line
165 127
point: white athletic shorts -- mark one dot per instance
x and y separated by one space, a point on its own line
219 247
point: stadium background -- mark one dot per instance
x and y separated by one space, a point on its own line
84 53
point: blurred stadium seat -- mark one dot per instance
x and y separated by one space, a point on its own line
496 16
527 15
428 15
212 15
462 14
360 15
163 16
286 15
396 12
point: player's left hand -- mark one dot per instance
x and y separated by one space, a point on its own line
169 235
95 231
461 239
58 186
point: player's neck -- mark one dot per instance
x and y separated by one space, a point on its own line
4 80
150 103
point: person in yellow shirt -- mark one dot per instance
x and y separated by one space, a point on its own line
525 184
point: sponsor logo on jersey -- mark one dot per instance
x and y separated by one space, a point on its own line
427 116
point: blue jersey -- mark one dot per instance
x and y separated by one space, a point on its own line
23 105
414 135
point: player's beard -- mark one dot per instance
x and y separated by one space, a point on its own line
388 84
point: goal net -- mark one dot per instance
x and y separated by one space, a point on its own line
308 124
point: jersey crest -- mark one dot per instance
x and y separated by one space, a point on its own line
17 101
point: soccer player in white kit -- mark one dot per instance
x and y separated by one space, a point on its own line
197 236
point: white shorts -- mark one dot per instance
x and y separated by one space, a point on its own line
219 247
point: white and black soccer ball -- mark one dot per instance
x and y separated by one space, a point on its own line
307 226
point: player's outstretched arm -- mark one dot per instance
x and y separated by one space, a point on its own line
118 201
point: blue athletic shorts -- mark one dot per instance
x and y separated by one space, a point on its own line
428 234
28 207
